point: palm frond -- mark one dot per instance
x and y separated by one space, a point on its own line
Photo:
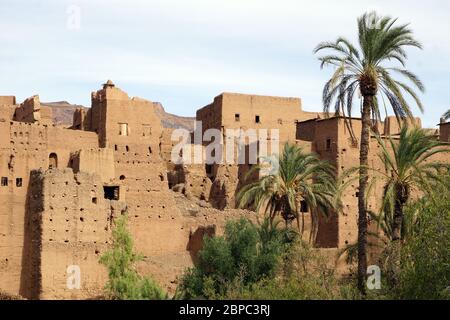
301 177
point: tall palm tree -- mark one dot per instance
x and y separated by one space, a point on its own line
408 166
369 68
300 177
446 115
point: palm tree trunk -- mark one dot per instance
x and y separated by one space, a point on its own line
363 180
401 194
397 223
401 198
303 223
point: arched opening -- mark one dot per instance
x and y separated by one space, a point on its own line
53 161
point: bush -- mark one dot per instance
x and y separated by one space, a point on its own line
246 254
262 263
425 262
303 275
124 281
252 262
419 266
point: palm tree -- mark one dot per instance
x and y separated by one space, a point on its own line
300 178
446 115
408 166
369 69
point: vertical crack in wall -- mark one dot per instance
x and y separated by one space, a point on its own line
30 279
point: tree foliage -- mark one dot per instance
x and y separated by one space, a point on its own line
247 252
372 62
298 177
446 115
124 282
425 263
371 69
409 166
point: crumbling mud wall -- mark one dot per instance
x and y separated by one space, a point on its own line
130 163
231 111
130 127
392 126
167 145
192 181
187 176
168 263
7 100
225 186
332 141
30 276
99 161
72 224
325 144
32 111
61 188
25 147
242 111
7 108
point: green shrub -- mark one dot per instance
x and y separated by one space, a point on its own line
419 266
246 252
425 262
124 281
303 275
262 263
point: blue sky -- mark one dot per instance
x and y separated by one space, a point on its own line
185 52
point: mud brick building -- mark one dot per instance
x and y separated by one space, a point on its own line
62 187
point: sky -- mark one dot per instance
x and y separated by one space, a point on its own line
183 53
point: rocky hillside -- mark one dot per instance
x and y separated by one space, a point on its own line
169 120
63 114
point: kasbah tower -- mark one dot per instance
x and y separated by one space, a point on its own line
63 186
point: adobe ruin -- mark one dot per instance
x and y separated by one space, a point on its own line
62 187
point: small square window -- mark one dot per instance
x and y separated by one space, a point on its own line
146 130
328 145
19 182
123 129
4 182
280 121
257 119
111 193
237 117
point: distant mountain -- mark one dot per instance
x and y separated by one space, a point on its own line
63 115
62 112
169 120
